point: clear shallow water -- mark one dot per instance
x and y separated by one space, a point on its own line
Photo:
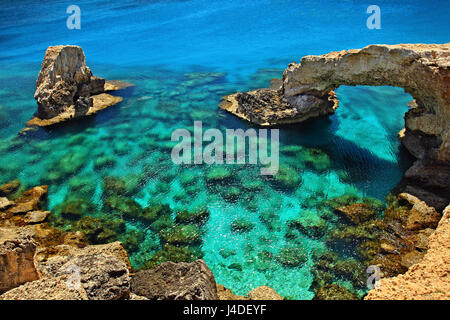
165 48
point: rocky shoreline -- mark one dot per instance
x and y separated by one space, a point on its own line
42 262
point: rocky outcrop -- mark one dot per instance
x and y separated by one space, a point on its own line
16 260
67 89
421 69
270 107
176 281
427 279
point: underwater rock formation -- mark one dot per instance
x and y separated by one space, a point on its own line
423 70
66 88
427 279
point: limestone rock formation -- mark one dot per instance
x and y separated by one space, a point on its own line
65 81
16 260
176 281
67 89
427 279
421 69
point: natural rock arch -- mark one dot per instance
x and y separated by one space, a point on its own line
307 91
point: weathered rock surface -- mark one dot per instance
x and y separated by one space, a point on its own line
103 277
16 260
176 281
357 212
49 260
264 293
30 200
427 279
421 69
334 292
46 289
67 89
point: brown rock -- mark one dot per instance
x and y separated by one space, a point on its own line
9 188
46 289
421 216
264 293
176 281
103 277
334 292
412 258
357 212
66 88
30 200
421 69
49 260
64 81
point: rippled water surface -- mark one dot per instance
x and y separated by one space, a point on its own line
183 56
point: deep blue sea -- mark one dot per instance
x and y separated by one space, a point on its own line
182 57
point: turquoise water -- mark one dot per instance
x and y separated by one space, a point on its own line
182 57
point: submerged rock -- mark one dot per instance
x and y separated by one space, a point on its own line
357 212
176 281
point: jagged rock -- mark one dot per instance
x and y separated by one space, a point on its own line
103 277
16 260
429 279
264 293
334 292
46 289
176 281
269 107
33 217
